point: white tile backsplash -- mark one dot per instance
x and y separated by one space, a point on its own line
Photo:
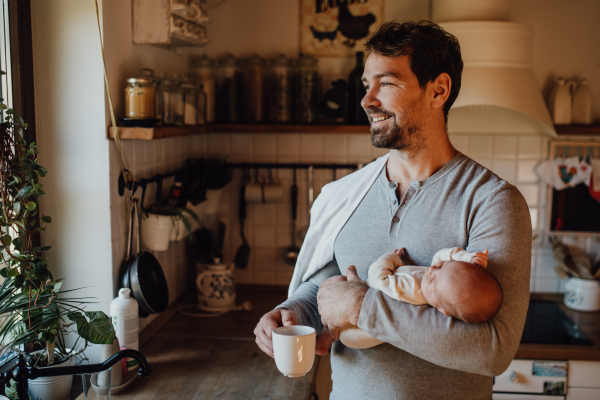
268 226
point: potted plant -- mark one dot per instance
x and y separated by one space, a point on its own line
161 224
35 314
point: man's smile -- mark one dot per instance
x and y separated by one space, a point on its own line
377 119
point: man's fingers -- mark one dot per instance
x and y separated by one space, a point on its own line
335 333
324 341
288 318
352 275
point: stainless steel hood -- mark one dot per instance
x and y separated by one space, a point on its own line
499 92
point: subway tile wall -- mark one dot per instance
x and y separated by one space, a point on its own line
269 227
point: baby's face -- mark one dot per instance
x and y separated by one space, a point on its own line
437 283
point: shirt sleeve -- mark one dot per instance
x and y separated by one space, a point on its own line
501 224
304 300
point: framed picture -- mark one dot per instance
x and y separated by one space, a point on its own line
337 28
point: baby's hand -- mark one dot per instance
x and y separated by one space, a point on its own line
480 258
399 251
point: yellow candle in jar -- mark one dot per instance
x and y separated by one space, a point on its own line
139 99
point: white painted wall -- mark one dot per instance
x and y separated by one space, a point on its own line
70 116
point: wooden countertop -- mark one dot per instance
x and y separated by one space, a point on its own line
217 358
588 322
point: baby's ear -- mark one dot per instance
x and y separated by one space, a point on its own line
440 309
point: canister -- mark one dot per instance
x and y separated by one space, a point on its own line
582 294
139 99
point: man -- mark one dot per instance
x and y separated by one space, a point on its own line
423 196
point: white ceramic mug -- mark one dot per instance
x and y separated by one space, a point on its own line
216 288
254 192
294 349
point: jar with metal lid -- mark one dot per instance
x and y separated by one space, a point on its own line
173 105
255 67
190 99
139 99
280 89
231 104
204 73
148 73
307 90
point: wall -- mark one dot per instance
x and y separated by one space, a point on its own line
70 116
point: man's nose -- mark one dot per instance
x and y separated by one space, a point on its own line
370 99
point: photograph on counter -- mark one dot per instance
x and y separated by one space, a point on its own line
337 28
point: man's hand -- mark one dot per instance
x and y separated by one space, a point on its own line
340 301
268 322
324 342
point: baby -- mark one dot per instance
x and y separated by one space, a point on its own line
457 284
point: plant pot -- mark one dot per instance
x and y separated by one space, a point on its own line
179 231
52 387
156 231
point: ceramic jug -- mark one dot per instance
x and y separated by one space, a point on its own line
560 101
216 288
582 104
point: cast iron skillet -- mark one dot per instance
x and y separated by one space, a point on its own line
143 274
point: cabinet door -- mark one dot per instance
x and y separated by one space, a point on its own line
583 394
584 374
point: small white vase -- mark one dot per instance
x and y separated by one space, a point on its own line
582 104
156 231
560 102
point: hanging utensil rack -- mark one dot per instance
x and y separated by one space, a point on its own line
143 183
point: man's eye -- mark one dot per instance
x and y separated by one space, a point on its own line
367 87
384 83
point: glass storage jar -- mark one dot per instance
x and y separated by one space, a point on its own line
204 74
190 98
173 105
201 105
255 89
307 90
280 90
231 104
139 99
148 73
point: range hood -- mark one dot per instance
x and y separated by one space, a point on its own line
499 93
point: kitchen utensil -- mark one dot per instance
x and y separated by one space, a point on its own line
294 349
243 252
254 190
143 274
272 190
291 253
311 198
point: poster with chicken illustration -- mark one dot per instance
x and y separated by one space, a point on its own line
337 28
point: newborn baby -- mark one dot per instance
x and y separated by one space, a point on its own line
457 284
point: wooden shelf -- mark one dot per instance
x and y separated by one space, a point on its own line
159 132
577 129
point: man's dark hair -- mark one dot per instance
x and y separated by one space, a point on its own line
431 49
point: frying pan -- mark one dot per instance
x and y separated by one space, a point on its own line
143 274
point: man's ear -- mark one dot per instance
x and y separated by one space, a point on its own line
440 90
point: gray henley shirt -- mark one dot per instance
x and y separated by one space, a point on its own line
428 355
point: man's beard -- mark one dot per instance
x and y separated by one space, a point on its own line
394 136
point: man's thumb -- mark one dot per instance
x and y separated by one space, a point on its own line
352 275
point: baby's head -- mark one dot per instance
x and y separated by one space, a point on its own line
462 290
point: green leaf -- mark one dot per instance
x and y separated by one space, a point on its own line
99 329
17 243
19 279
46 218
13 272
46 248
4 272
31 205
57 286
38 186
17 207
6 240
24 191
41 171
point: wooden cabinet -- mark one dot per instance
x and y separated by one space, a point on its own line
169 22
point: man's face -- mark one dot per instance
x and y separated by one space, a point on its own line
394 102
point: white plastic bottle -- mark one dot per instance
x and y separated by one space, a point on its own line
124 314
582 104
560 102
